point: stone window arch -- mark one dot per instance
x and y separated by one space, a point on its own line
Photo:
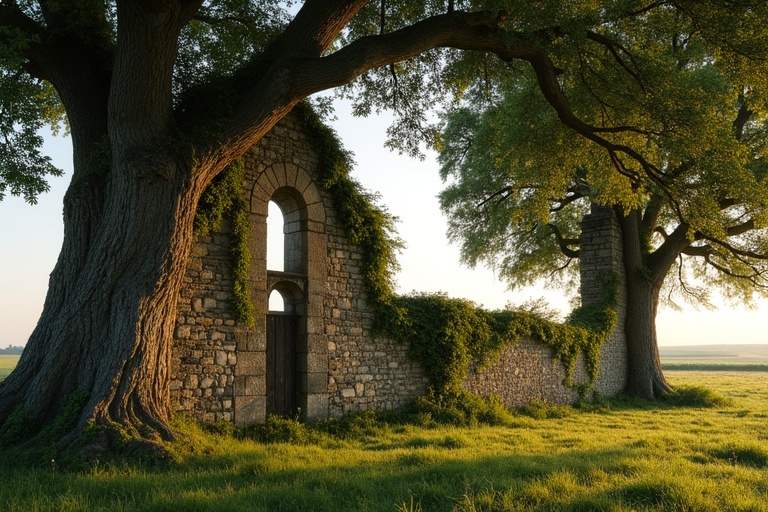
302 284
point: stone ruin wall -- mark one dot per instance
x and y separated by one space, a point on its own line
218 370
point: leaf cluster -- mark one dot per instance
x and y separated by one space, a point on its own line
662 110
26 106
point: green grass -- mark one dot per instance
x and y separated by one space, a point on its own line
7 364
620 456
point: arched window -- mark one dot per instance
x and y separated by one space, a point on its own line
275 239
276 302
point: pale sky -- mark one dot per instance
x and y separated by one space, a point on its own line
30 239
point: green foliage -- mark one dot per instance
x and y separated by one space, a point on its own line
223 199
447 336
461 408
276 429
540 410
671 109
26 106
42 446
367 224
67 420
697 396
17 428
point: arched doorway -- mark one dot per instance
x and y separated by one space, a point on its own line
288 215
286 270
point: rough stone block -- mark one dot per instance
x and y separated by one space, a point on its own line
316 406
251 363
250 409
255 385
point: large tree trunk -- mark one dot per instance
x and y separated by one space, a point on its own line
108 319
646 378
109 333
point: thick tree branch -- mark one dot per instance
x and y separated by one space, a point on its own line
742 117
651 214
575 194
700 251
660 261
565 244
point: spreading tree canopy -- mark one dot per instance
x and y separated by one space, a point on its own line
667 125
160 96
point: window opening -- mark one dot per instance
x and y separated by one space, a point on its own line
275 240
276 302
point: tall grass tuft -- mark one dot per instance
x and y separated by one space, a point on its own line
697 396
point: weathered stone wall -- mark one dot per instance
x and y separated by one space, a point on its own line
219 367
601 259
204 355
526 371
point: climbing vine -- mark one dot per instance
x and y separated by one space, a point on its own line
447 335
367 224
223 200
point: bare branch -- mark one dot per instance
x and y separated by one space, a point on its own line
504 193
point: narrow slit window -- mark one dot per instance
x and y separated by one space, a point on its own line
275 238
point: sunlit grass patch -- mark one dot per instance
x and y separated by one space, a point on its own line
7 364
624 456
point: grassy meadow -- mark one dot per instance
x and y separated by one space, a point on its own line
7 363
710 454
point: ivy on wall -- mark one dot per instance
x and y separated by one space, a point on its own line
223 199
445 335
367 224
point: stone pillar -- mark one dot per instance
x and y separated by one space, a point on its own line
601 257
600 254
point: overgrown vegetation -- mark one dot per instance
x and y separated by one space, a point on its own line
629 455
448 336
223 200
40 444
367 225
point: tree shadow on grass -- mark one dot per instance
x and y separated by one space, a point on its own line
438 479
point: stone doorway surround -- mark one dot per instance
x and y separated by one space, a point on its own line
291 187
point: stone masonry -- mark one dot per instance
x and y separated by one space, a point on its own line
220 369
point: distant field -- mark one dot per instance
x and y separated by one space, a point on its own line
7 364
697 357
715 357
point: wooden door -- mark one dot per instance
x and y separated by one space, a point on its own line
282 390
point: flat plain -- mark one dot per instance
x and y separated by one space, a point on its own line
7 363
